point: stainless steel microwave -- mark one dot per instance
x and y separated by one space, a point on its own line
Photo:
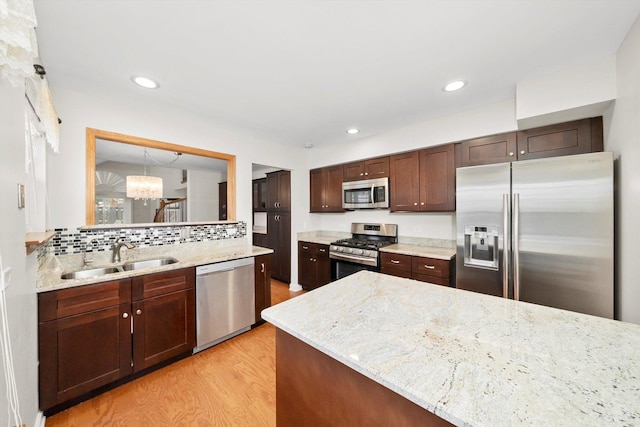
366 194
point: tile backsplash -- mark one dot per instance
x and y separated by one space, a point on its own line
97 240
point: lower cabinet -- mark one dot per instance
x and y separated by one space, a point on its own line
432 270
262 284
93 335
314 266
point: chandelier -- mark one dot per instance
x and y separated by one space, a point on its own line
143 186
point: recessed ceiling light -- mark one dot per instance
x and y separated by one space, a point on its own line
145 82
308 145
353 131
455 85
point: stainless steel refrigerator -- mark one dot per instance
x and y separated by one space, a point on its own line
539 231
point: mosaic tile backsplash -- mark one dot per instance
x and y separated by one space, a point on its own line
98 240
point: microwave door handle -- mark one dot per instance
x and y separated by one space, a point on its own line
373 186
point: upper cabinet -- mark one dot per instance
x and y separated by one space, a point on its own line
366 169
577 137
325 193
423 181
487 150
279 191
259 195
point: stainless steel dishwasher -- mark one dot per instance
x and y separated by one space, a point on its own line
225 301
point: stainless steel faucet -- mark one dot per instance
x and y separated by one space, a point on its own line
86 261
117 246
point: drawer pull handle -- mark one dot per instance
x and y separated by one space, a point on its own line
305 247
323 250
430 267
395 261
262 267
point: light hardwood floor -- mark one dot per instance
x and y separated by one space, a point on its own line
230 384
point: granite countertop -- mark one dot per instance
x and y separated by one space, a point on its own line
187 254
322 240
473 359
419 250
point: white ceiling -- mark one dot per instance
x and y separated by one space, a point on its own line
304 71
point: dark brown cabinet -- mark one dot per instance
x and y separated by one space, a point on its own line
314 265
279 239
431 270
260 239
222 201
94 335
367 169
576 137
279 191
163 316
423 181
487 150
262 284
325 192
259 187
84 339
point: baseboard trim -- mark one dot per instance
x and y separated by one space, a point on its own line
40 420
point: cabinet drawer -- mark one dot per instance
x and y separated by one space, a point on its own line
82 299
430 267
431 279
152 285
395 261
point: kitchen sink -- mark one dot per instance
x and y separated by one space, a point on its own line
149 263
93 272
127 266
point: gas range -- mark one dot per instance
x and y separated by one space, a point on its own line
362 247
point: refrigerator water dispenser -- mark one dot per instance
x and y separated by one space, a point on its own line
481 247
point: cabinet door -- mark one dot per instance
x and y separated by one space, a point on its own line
376 168
259 194
333 189
438 179
263 284
487 150
561 140
404 182
272 191
353 171
279 232
306 265
163 327
316 190
82 352
323 265
284 190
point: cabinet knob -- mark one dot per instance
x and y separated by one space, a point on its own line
415 204
366 173
421 203
138 311
361 174
125 315
511 153
522 152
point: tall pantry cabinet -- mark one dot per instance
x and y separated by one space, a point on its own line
279 223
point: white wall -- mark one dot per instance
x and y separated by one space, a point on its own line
623 138
203 194
21 294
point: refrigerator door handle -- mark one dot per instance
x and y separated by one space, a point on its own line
505 245
516 246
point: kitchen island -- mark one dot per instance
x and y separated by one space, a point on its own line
459 357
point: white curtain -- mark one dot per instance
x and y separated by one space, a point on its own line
18 45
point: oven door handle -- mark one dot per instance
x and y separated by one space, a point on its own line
373 262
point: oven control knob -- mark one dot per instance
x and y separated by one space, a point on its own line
368 253
358 251
333 248
348 250
340 249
